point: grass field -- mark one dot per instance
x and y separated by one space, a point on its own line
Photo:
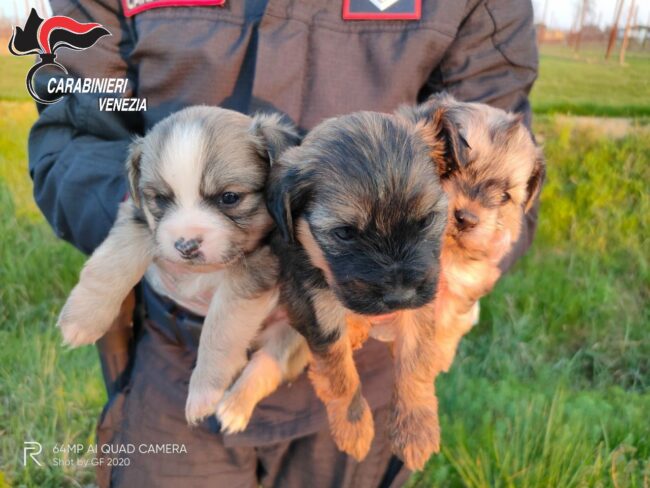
586 84
551 389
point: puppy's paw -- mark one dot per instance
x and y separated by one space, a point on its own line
234 411
415 435
352 426
201 402
85 317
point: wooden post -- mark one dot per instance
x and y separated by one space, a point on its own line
626 34
613 33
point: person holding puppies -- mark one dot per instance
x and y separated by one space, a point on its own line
307 59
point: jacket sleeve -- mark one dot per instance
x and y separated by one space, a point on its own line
494 60
76 152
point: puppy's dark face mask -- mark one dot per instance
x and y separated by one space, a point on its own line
368 210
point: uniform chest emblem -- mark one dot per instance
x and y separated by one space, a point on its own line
382 9
383 4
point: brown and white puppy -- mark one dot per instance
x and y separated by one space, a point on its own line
361 213
196 224
492 183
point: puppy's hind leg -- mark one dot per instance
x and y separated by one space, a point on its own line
282 355
115 267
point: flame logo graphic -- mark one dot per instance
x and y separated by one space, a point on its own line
44 37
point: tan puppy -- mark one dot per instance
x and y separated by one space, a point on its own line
196 224
498 180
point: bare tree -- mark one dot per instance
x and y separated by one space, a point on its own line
613 33
626 34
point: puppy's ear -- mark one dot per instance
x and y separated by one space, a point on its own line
425 110
274 135
133 161
287 192
536 180
449 150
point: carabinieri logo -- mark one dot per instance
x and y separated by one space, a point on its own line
44 37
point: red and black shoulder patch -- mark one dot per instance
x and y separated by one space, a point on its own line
132 7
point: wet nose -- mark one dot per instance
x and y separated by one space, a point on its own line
398 297
188 249
465 219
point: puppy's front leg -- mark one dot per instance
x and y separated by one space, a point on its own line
228 330
414 428
336 380
108 276
451 325
282 355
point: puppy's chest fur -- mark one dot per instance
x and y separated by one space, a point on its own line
256 272
466 279
191 290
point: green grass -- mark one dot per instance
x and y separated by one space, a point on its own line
586 84
12 81
47 394
551 389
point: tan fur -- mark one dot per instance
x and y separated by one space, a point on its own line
336 382
106 280
308 242
414 427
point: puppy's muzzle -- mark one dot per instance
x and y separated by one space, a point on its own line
400 297
189 249
465 219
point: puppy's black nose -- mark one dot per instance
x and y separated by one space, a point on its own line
398 297
465 219
189 249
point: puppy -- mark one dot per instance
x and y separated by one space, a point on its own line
492 182
196 223
361 213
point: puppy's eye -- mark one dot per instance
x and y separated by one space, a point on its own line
230 198
425 222
162 201
344 233
505 197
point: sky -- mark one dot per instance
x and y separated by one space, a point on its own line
560 12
